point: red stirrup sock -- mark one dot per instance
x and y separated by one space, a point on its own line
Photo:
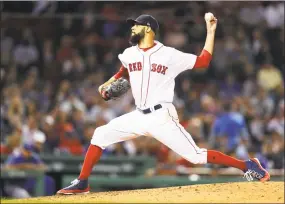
215 157
92 157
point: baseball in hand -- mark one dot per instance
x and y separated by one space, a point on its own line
209 16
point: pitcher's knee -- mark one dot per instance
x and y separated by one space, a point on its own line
99 137
198 157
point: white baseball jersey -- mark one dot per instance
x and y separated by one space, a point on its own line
152 75
152 72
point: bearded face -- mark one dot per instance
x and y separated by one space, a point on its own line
136 37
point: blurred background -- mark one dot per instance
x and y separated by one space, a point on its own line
54 55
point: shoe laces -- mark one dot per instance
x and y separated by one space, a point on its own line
251 173
74 182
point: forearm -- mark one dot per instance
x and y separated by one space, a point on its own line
204 59
112 79
211 24
209 43
123 72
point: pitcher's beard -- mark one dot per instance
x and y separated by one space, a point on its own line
135 39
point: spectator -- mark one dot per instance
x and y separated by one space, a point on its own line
67 27
48 52
69 139
45 98
274 150
30 132
66 50
269 77
12 142
7 44
25 53
262 104
229 129
88 131
73 67
16 112
252 13
274 14
230 88
72 102
25 159
52 138
260 48
28 88
175 37
276 124
77 120
257 131
63 91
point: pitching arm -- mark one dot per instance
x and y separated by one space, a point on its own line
205 57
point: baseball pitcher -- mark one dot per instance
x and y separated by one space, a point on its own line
150 68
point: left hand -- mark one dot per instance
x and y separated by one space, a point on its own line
104 94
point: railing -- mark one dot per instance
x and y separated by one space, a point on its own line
21 174
127 165
121 165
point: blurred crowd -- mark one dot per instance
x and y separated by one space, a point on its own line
49 80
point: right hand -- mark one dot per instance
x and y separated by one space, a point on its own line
211 23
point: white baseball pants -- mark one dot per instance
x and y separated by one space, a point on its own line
162 124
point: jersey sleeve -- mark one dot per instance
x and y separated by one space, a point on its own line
181 61
123 72
123 58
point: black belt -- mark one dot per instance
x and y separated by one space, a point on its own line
147 111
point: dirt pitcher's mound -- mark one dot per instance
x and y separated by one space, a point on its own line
243 192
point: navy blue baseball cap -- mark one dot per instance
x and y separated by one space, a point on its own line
146 20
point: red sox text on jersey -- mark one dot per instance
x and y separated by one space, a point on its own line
152 72
137 66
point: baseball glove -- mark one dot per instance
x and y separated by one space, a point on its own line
116 89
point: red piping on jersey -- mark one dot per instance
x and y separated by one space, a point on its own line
144 49
203 60
181 130
149 74
142 77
